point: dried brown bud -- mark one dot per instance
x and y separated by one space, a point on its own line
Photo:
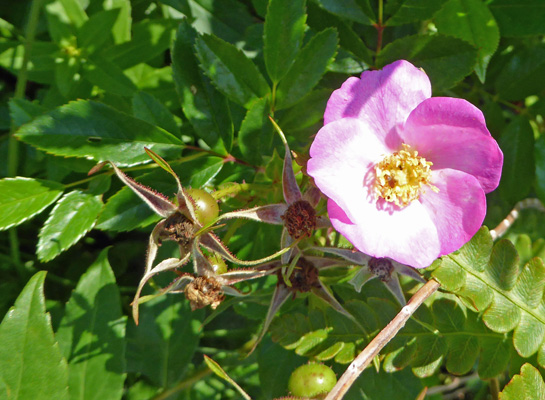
180 229
304 276
204 291
300 219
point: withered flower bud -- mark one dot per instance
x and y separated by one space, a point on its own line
204 291
300 219
304 276
180 229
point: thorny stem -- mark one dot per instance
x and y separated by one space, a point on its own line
373 348
13 145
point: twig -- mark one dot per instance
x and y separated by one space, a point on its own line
373 348
513 215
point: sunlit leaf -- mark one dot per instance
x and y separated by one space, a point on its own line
31 364
22 198
92 335
73 216
94 130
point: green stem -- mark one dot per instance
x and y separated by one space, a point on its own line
236 188
136 168
13 145
379 26
494 385
199 375
273 97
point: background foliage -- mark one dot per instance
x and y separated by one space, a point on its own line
84 81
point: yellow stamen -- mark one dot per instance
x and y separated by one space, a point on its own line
401 175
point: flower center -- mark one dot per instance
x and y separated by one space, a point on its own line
401 175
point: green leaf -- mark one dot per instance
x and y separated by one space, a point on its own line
107 76
318 20
283 36
22 111
164 342
528 385
31 365
147 108
67 74
92 335
472 21
307 112
462 354
412 11
227 19
523 75
309 67
380 385
122 28
73 216
23 198
255 137
430 351
206 171
347 9
322 335
514 296
275 367
539 154
42 63
205 108
445 59
494 357
517 144
519 17
234 74
74 11
150 38
219 371
60 28
96 31
94 130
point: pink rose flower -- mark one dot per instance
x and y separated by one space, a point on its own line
405 173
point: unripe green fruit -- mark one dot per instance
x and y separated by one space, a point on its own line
206 207
311 380
218 264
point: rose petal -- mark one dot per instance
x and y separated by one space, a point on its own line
436 224
407 235
382 98
457 210
452 133
342 155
